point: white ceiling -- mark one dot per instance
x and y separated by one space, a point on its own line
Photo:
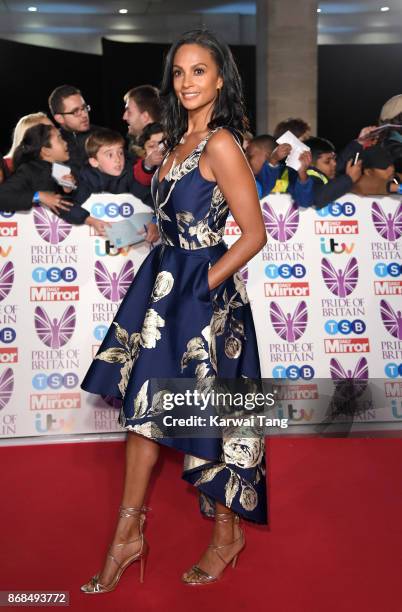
79 25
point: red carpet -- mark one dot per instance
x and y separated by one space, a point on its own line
334 542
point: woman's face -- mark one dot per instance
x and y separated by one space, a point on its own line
57 151
195 77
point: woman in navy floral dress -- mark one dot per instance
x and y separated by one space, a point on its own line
187 313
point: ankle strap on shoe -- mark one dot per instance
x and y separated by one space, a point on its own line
225 517
128 512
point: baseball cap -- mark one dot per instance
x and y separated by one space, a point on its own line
391 108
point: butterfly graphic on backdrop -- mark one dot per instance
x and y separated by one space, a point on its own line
114 286
281 227
341 282
53 332
392 320
6 387
6 279
352 383
244 274
388 225
289 327
51 228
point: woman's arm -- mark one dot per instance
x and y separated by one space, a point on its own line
225 162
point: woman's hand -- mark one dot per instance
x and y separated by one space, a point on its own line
54 201
98 225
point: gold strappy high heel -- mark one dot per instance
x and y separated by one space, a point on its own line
196 575
94 586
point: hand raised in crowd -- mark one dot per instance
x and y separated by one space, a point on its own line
71 179
363 138
279 153
54 201
98 225
153 159
354 170
305 160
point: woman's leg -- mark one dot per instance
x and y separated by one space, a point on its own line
226 533
141 457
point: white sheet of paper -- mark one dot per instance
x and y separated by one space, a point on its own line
298 147
60 170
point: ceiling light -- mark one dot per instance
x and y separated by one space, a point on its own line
32 9
384 9
123 11
318 10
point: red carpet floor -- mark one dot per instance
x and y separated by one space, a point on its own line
334 543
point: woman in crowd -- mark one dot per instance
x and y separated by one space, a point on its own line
22 126
187 313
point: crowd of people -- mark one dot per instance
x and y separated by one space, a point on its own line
102 160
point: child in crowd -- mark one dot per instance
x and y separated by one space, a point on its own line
300 128
327 186
149 141
258 152
275 177
378 173
106 171
32 182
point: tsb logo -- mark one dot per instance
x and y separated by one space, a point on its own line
285 271
112 210
54 275
7 335
293 372
392 269
336 210
55 381
393 370
345 327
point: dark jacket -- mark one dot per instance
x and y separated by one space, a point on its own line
76 147
391 143
327 190
92 180
302 193
17 192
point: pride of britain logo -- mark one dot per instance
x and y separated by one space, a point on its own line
281 227
51 228
289 327
340 282
6 279
388 225
113 286
6 387
54 332
392 319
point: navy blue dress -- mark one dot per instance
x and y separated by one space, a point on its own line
171 326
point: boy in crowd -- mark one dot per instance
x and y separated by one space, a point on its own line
106 171
259 151
328 187
275 177
300 128
378 173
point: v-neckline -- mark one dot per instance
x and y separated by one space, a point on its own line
182 162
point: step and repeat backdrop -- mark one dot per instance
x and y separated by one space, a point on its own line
325 291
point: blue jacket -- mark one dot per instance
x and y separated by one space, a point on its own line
302 193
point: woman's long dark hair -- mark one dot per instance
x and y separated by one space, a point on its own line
229 106
34 139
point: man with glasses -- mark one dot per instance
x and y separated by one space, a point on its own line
69 109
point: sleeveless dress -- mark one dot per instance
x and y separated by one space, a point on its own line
171 326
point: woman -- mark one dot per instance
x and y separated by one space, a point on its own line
32 181
187 313
23 124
